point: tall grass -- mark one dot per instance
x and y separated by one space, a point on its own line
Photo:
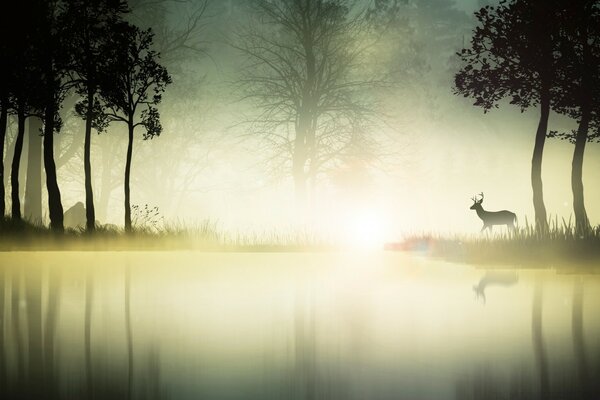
153 233
561 244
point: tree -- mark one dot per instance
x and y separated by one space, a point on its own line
21 78
512 55
51 61
89 24
303 70
33 185
135 85
579 76
5 106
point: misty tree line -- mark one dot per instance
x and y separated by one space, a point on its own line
86 47
540 53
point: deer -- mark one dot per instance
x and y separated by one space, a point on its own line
491 218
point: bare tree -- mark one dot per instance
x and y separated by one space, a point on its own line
173 43
304 60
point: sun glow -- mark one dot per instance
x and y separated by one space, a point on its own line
366 229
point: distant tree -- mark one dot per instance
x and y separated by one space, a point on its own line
7 67
579 75
174 42
137 82
32 209
513 55
88 24
4 106
303 74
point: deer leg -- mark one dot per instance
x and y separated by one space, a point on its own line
484 228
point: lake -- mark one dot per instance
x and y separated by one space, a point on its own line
356 325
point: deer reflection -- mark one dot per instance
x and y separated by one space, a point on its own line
494 278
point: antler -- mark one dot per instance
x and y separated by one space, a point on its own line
481 194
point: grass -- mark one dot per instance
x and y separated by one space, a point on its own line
205 235
560 245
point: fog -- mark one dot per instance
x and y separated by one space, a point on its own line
433 152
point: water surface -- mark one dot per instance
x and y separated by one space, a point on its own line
370 325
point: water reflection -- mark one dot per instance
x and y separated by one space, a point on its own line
494 278
260 326
539 346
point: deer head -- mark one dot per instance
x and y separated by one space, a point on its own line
476 203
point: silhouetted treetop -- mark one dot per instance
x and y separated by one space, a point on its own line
512 53
136 81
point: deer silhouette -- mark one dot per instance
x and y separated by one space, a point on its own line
491 218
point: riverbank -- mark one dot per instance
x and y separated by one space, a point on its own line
24 236
558 247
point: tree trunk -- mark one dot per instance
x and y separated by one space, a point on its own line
105 190
298 173
3 123
541 221
16 163
90 213
582 223
54 203
128 227
33 185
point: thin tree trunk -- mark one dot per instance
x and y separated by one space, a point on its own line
16 163
128 227
54 202
33 185
90 213
3 124
541 221
582 223
105 189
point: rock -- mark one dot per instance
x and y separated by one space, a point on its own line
74 217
